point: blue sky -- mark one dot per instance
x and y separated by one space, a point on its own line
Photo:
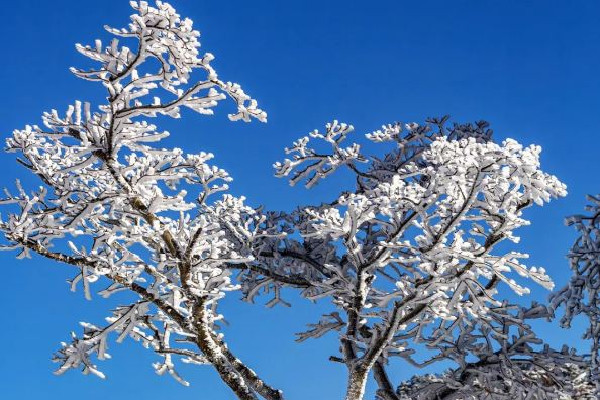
531 68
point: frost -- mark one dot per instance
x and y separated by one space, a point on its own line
121 208
409 258
581 296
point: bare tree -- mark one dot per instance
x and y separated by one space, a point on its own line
411 256
410 259
115 206
581 296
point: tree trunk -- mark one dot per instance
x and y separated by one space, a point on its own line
213 353
357 382
228 374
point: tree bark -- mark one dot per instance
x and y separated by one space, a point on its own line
357 382
386 390
213 353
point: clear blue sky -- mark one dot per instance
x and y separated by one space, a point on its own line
531 68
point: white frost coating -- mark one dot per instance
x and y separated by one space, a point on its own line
411 256
116 205
581 296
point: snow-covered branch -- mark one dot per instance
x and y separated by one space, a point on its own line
412 253
419 254
581 296
500 358
150 220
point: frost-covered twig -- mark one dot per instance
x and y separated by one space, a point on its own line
118 207
582 294
414 247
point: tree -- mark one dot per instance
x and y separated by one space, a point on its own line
410 259
581 296
116 207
